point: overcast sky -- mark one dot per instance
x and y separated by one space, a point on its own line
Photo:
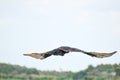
41 25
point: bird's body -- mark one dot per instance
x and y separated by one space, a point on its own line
61 51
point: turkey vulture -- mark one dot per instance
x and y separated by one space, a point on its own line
61 51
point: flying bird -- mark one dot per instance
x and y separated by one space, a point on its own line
61 51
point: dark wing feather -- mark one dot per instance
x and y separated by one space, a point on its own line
38 56
93 54
69 49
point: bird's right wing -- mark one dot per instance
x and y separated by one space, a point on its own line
101 55
93 54
38 56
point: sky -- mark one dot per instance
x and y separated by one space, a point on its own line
28 26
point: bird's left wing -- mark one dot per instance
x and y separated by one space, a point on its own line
38 55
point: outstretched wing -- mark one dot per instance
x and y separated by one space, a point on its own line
101 55
93 54
38 56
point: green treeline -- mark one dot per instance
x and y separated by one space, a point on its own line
100 72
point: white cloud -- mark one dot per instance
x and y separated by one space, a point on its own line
115 15
90 17
46 7
80 11
38 6
115 30
82 18
7 21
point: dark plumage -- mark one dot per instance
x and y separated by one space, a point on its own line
61 51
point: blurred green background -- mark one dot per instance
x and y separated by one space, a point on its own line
100 72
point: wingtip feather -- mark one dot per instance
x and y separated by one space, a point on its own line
114 52
26 54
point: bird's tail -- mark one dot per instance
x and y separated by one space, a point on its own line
38 56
